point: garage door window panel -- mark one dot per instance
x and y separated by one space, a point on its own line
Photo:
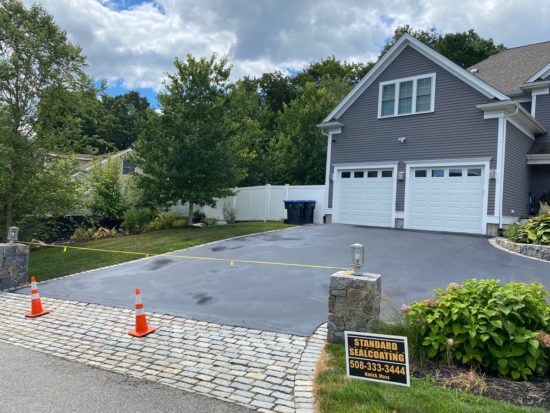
346 175
372 174
438 173
453 173
474 172
358 174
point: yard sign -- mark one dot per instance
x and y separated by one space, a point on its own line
377 357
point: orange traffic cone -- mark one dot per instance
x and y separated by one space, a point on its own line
142 329
36 304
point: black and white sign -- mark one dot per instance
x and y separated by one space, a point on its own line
377 357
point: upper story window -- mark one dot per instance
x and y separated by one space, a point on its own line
407 96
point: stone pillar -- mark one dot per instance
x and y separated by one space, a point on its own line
353 302
14 265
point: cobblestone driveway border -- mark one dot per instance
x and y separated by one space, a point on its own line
267 371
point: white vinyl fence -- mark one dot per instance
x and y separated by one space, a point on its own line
266 203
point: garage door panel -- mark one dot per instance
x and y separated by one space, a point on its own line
370 202
439 201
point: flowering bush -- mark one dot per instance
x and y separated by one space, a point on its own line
500 328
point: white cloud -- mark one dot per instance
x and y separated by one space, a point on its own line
137 44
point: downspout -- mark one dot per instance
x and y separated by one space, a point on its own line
503 163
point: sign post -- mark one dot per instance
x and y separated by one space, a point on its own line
377 357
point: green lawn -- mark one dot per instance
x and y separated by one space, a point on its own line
52 262
335 393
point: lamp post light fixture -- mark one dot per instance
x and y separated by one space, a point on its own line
13 232
357 258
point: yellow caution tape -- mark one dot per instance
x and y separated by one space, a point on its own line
188 257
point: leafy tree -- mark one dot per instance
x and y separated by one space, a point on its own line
71 119
298 152
123 120
106 190
332 68
249 138
184 154
465 49
35 56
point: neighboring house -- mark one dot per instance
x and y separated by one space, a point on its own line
422 143
88 162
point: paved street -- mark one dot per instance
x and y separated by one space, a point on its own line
293 300
40 383
266 371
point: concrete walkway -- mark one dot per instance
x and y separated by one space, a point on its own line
266 371
40 383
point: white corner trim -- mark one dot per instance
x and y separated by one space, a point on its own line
389 57
499 185
484 162
542 73
327 171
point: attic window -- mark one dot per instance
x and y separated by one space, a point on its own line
407 96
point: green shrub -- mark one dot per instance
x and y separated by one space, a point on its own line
211 221
83 234
136 220
516 233
88 234
199 217
537 230
166 221
487 325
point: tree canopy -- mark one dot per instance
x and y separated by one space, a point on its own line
36 58
185 155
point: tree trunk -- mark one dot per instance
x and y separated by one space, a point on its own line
190 221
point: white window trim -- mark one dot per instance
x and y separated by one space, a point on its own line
397 82
354 166
330 134
485 163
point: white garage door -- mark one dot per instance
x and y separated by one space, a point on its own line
365 197
447 199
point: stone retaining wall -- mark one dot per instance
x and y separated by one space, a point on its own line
531 250
14 265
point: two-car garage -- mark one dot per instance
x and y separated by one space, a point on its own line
437 197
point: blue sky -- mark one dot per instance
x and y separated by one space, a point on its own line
132 43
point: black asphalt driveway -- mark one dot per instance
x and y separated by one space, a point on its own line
294 299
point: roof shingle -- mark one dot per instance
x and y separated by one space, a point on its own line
511 68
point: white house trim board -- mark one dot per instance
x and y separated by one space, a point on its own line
389 57
327 171
534 94
542 73
354 166
499 185
434 163
538 159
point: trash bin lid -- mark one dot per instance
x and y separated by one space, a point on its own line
294 201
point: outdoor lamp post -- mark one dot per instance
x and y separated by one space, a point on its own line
12 234
357 258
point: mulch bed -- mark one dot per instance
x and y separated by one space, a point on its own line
532 393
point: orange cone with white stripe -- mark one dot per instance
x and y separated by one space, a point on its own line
36 304
142 329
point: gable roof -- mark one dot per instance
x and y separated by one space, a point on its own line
409 41
508 70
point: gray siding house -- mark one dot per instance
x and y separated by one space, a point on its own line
422 143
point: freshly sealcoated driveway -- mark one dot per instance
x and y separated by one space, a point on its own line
294 299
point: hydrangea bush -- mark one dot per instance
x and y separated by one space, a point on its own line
499 328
